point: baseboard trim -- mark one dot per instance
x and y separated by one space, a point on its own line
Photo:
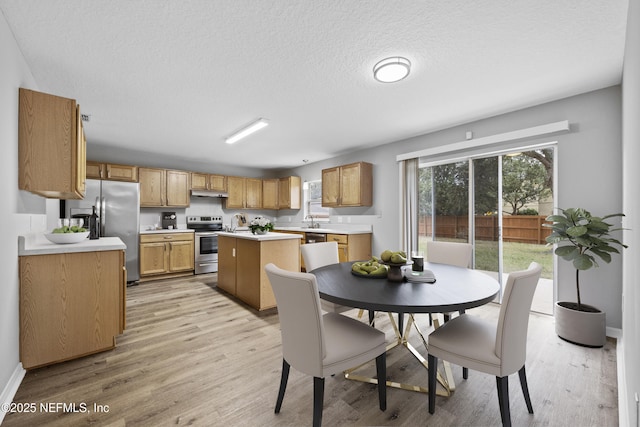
614 333
10 389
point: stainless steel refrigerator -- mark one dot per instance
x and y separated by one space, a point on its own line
118 208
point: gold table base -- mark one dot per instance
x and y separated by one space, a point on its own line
445 380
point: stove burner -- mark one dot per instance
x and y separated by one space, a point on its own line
204 223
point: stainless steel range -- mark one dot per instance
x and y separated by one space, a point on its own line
206 242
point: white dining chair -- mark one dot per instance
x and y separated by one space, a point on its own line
494 348
451 253
319 344
316 255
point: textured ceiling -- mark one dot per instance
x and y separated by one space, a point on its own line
177 77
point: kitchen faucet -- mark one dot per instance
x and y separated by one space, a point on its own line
312 223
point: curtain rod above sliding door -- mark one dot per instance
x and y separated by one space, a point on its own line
515 135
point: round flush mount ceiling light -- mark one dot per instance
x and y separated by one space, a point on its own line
392 69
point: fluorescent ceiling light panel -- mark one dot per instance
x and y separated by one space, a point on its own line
247 130
392 69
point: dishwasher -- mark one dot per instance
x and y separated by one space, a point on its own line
315 237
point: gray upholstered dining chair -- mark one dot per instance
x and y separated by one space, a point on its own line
451 253
319 344
496 349
318 255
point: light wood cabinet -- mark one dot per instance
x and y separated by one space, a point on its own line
348 185
352 247
236 190
166 254
270 193
51 146
71 305
227 264
205 181
178 183
253 193
241 265
161 187
244 193
112 171
290 192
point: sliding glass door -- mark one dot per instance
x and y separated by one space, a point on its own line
498 204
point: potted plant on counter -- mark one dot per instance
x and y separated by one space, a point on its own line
260 225
586 238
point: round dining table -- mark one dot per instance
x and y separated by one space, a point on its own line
454 289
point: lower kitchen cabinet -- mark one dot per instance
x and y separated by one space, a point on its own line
241 265
166 255
71 305
352 247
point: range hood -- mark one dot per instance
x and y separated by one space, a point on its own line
209 193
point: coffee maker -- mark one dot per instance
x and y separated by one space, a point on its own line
169 220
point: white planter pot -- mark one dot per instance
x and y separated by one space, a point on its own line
580 327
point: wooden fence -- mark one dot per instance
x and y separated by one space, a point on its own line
515 228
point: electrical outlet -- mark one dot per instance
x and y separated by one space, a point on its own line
339 219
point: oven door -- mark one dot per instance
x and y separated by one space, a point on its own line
206 252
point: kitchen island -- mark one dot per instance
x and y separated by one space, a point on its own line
72 298
241 260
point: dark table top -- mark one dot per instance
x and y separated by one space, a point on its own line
455 289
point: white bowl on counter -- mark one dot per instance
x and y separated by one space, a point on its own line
66 238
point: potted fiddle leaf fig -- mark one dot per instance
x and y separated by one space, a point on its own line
582 239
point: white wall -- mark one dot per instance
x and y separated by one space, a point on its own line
14 73
630 369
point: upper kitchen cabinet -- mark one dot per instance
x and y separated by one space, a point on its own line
51 146
289 192
235 187
244 193
160 187
253 193
206 181
348 185
270 193
112 172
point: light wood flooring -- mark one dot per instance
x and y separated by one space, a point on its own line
192 355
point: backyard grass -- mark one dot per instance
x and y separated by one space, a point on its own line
517 256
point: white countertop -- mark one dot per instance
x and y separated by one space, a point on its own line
37 244
165 230
260 237
329 230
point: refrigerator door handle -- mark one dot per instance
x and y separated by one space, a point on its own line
103 216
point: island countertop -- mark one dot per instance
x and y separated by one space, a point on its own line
259 237
37 244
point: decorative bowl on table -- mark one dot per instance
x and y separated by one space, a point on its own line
65 238
395 273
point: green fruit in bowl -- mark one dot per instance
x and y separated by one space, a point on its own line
67 229
380 271
386 255
397 258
